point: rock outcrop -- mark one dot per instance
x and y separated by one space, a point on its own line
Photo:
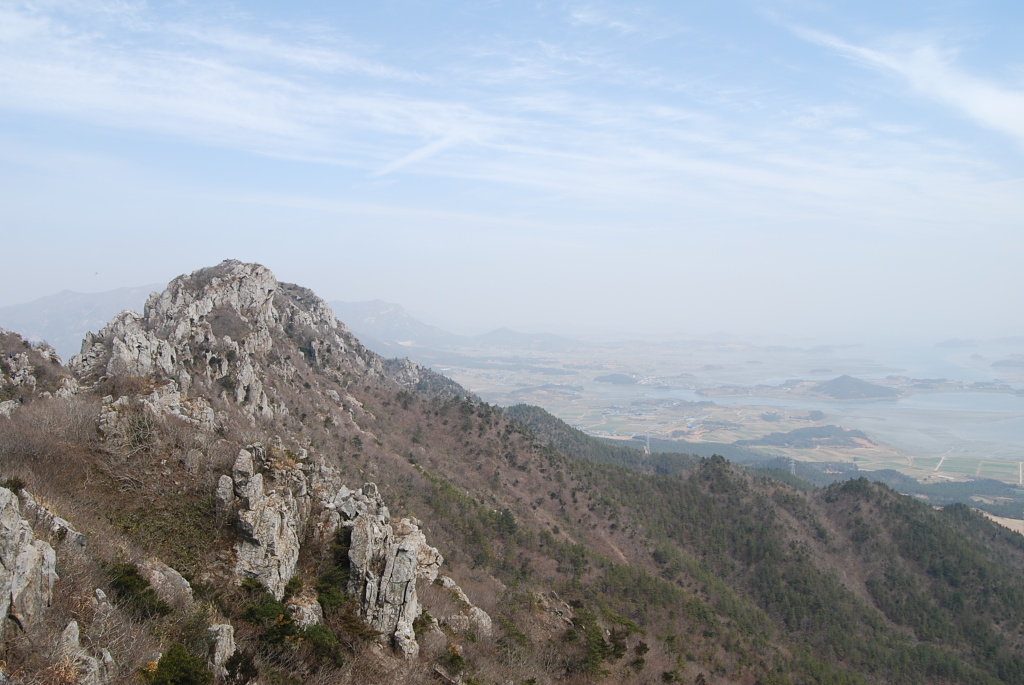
417 378
27 567
471 619
168 584
275 496
305 609
223 635
88 669
29 370
234 334
386 562
220 326
164 400
270 522
41 517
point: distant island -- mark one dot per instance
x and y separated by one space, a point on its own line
850 388
847 388
811 437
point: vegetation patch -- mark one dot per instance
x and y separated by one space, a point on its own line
133 592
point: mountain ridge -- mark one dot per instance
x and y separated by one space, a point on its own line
238 435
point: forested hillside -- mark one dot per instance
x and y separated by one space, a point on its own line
234 462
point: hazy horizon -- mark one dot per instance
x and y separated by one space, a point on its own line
790 171
596 334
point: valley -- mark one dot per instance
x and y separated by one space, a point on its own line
939 414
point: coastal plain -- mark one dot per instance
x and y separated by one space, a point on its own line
933 412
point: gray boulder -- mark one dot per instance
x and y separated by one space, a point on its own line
27 567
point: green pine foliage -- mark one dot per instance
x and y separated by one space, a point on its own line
178 667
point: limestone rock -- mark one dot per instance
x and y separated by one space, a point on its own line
218 326
90 670
42 517
117 416
27 566
270 523
471 618
276 496
101 603
30 369
420 379
223 647
386 562
306 610
168 584
224 497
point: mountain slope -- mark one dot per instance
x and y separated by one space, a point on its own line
238 434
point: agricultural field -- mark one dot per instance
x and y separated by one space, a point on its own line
729 393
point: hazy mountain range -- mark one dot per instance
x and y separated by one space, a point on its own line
63 319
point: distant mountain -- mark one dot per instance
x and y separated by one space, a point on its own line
389 330
811 437
957 343
850 388
388 326
62 320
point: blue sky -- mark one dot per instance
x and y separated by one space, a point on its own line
791 168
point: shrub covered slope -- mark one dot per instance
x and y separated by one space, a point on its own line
590 563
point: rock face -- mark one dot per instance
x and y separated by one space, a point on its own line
223 635
270 524
233 333
306 610
89 670
28 370
220 326
386 561
471 619
59 528
417 378
164 400
27 567
168 584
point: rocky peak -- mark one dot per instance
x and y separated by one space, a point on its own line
28 370
232 328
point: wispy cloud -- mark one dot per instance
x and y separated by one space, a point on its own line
305 55
233 95
932 72
593 16
420 154
546 132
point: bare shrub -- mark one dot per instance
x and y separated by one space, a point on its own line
36 440
134 432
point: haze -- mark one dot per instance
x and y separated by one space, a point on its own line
794 169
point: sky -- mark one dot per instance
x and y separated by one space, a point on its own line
792 168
